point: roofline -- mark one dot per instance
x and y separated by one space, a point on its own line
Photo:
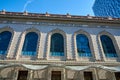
58 17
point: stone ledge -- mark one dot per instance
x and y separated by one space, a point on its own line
59 62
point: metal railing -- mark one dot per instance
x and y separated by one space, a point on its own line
57 53
111 55
85 54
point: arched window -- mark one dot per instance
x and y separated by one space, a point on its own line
57 45
30 44
108 46
5 38
83 48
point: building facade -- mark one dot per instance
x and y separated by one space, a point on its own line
58 47
107 8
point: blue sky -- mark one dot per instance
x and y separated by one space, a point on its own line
73 7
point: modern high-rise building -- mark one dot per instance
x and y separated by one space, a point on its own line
47 46
107 8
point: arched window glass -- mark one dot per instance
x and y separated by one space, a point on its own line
5 38
83 47
108 46
30 44
57 45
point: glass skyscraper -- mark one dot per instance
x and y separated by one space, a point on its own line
107 8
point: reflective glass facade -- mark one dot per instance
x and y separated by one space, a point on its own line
5 38
57 45
83 47
107 8
30 44
108 46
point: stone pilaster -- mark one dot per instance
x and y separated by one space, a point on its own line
42 46
113 76
96 74
13 46
69 50
117 47
31 75
95 50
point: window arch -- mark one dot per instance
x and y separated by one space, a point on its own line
108 47
83 48
30 44
57 45
5 38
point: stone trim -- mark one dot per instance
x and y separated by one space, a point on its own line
49 42
22 38
90 43
114 43
7 28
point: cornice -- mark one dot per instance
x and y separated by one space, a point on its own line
58 18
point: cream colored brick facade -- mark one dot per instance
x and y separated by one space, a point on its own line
69 27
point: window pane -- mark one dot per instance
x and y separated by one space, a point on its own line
4 41
30 44
57 45
108 46
83 47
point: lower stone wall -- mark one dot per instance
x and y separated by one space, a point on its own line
11 73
